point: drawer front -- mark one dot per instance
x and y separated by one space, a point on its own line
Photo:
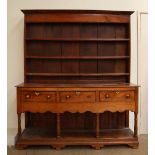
117 96
77 96
38 96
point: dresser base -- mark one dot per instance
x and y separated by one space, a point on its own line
31 137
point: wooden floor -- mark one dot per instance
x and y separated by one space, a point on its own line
107 150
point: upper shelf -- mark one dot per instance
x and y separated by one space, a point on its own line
77 57
77 39
77 74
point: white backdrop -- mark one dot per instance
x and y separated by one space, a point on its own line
15 47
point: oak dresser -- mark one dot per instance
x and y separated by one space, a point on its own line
77 88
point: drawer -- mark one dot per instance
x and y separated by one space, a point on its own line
78 96
114 96
38 96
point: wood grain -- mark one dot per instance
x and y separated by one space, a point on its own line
76 88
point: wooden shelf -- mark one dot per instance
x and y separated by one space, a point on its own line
77 39
76 74
77 57
32 136
86 51
104 133
37 133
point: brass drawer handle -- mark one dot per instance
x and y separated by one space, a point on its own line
67 97
27 96
117 92
37 93
77 93
107 96
128 96
48 97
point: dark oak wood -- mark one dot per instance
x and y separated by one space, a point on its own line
58 126
97 125
107 137
87 16
37 11
19 124
135 125
77 88
77 39
82 74
121 101
80 57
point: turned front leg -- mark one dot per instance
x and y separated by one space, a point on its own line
135 124
58 125
97 125
19 124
